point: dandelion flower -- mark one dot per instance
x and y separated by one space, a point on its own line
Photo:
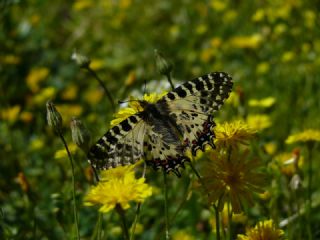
118 187
134 107
233 179
259 121
263 103
232 134
309 135
265 230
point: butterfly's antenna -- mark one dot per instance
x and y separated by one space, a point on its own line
132 100
145 87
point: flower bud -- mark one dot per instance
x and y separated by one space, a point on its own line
81 60
80 134
164 66
54 118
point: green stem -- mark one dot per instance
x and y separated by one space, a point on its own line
309 190
170 80
229 222
135 221
97 230
199 177
216 211
93 73
166 204
73 186
123 221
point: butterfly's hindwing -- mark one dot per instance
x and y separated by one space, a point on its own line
192 105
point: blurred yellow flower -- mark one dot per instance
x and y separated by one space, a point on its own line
10 114
230 16
131 78
288 56
258 15
235 218
35 76
68 111
82 4
44 95
10 59
124 4
118 187
289 163
265 230
280 28
96 64
70 93
308 135
26 116
266 195
233 99
182 235
201 29
232 134
36 144
232 177
94 96
264 103
62 153
270 148
258 121
215 42
253 41
263 68
310 18
134 107
218 5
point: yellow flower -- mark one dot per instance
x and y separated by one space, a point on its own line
134 107
253 41
62 153
289 163
94 96
264 103
35 76
233 99
232 178
44 95
70 92
235 218
11 114
182 235
263 68
258 121
265 230
10 59
288 56
82 4
270 148
218 5
97 64
309 135
232 134
118 187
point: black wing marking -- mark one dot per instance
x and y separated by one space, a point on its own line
121 145
191 106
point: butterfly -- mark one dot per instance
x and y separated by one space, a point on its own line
163 131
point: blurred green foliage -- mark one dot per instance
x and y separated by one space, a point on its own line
271 48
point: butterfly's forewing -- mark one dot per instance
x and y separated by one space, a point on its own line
191 105
121 145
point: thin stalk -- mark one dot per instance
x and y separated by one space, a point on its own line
229 222
93 73
309 190
73 186
97 230
170 80
133 229
166 204
217 216
136 219
125 230
199 177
